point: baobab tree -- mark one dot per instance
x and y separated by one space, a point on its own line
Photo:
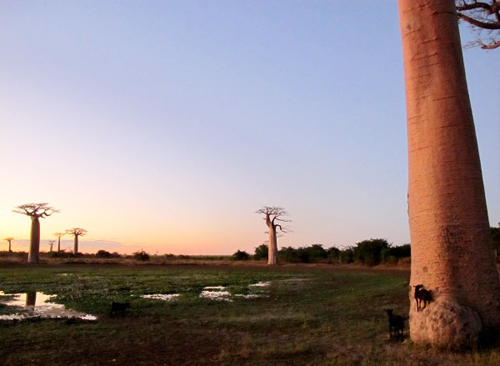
59 236
51 245
273 215
451 252
9 239
76 232
484 18
35 211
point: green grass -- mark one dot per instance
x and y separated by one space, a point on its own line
310 316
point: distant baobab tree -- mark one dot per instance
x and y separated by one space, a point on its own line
483 17
272 215
36 211
59 235
51 244
76 232
9 239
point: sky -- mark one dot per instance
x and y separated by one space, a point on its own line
164 125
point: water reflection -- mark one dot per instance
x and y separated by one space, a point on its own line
31 298
38 304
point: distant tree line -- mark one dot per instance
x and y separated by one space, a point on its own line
368 252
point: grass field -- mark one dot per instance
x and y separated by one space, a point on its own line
299 315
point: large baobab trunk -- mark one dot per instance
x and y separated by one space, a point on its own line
273 243
34 241
451 251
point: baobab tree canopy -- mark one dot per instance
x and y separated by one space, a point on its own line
484 18
38 210
77 231
274 213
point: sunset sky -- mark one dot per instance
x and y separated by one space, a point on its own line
164 125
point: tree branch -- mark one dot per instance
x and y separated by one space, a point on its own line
475 5
490 46
478 23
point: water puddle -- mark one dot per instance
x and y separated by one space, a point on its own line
164 297
217 293
38 305
250 296
219 288
261 284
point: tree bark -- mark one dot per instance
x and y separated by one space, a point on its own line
10 247
34 241
75 250
58 244
451 251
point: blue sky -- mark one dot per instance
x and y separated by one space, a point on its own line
167 124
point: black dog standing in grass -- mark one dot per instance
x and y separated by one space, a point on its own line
396 325
119 308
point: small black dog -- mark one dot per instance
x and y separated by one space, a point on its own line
119 308
396 325
422 297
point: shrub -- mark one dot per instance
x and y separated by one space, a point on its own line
333 254
347 255
313 253
60 254
141 256
64 254
240 256
402 251
289 254
103 254
261 252
371 252
316 251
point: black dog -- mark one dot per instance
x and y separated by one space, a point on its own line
396 325
422 297
119 308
